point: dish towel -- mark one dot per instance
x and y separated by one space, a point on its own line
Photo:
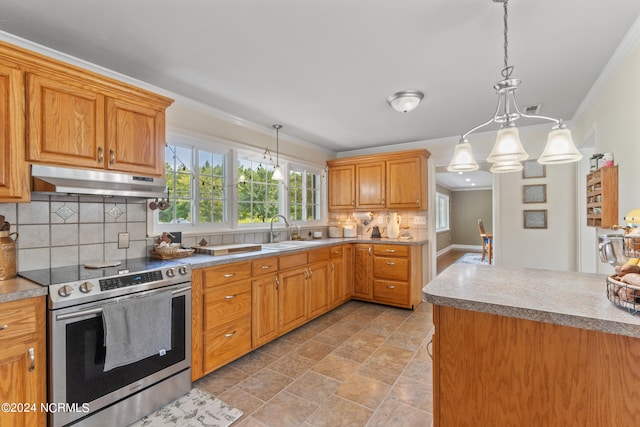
136 328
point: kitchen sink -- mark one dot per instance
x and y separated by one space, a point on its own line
287 244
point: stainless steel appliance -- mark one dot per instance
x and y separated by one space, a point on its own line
79 388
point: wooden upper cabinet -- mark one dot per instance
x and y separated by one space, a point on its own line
135 138
342 187
66 123
381 181
14 171
370 185
407 183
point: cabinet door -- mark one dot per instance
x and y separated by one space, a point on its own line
65 123
14 171
406 184
338 285
318 289
264 311
292 301
370 185
19 383
342 187
135 138
362 282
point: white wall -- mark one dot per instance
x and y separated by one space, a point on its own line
612 120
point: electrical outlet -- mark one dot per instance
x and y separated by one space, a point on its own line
123 240
419 220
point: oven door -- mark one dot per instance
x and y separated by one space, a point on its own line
77 354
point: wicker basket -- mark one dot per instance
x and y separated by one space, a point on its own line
167 249
623 294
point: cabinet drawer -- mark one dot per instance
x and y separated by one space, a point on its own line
293 260
227 342
225 303
391 292
391 250
17 318
320 254
264 265
391 268
222 274
335 252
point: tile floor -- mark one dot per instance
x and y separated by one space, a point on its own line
359 365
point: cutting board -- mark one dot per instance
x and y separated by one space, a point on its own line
228 249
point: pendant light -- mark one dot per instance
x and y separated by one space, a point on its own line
508 152
463 160
277 174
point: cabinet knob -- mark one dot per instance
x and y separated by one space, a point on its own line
392 251
228 275
100 155
112 157
383 202
391 287
4 327
266 267
230 296
230 334
353 203
391 263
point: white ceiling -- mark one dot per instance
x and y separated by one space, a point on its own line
324 69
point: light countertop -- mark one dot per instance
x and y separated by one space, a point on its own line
564 298
20 288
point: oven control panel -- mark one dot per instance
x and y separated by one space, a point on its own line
94 289
129 280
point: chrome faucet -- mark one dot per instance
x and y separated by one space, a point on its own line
271 235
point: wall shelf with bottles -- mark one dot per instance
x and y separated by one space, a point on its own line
602 197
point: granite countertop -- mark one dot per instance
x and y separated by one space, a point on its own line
287 247
564 298
19 288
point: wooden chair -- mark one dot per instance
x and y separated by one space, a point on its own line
487 241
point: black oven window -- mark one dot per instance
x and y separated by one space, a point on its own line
86 379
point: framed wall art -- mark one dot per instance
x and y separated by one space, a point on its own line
533 169
534 193
535 218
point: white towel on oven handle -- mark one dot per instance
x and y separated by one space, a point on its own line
136 328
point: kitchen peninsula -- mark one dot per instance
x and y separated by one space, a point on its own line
516 346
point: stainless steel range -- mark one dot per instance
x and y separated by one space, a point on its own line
103 322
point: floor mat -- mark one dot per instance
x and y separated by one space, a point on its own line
472 258
195 409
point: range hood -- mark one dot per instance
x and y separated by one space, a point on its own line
55 179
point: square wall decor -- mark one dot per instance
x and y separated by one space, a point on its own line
535 218
534 193
533 169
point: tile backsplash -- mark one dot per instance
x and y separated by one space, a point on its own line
55 231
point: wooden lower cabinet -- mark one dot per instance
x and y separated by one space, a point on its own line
227 342
363 261
23 360
264 309
318 289
292 299
493 370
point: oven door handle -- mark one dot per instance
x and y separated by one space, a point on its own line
99 309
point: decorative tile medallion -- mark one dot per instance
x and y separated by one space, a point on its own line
65 212
115 212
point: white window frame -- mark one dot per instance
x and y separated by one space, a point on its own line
300 167
233 151
443 199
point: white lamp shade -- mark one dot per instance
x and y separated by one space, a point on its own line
277 174
463 160
506 167
560 148
405 101
508 147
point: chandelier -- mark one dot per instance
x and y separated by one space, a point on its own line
508 152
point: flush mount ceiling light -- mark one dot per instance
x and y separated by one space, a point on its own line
508 152
406 100
277 174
